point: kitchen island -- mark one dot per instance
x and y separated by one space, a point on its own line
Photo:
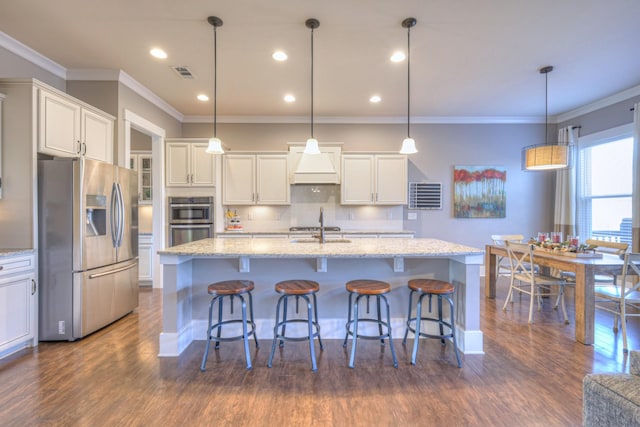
189 268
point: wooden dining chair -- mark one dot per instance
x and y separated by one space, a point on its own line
527 279
502 263
623 301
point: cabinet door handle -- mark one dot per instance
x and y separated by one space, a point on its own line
79 148
257 197
372 197
1 267
84 148
377 197
34 287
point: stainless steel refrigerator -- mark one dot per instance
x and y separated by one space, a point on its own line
88 246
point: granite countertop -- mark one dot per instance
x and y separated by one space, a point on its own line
11 252
285 248
328 233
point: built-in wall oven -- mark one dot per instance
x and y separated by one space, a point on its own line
190 219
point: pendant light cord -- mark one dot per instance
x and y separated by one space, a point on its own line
546 108
311 82
408 82
215 81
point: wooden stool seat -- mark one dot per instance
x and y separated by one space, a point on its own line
431 286
368 287
297 287
230 287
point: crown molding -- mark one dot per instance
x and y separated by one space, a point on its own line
25 52
366 120
599 104
99 74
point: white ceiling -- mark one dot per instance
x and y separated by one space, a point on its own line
469 58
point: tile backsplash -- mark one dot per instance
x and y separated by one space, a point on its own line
304 210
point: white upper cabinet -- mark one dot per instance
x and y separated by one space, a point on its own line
69 129
374 179
141 162
189 165
250 179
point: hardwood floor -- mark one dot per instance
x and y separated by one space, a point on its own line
528 376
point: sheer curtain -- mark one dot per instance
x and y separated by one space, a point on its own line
635 221
564 218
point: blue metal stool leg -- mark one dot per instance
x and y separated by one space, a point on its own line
245 334
284 319
220 299
253 323
379 319
408 325
354 341
453 332
312 350
393 351
315 310
206 350
440 324
275 332
416 336
348 325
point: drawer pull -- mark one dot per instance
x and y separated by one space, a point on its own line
1 267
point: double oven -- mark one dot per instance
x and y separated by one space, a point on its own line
190 219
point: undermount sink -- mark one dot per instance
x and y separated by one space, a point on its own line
318 241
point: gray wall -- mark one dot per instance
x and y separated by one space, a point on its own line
140 141
605 118
529 195
13 66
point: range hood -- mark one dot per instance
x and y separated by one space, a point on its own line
323 168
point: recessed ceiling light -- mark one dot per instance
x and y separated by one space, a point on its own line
279 55
289 98
398 56
375 98
202 97
158 53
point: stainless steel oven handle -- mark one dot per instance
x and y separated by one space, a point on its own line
190 205
115 270
190 226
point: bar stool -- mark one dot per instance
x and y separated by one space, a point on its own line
231 289
431 287
367 288
298 289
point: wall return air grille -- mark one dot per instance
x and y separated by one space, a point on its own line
425 195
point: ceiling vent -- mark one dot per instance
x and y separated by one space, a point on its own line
425 195
183 71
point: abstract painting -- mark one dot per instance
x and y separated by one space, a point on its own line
479 192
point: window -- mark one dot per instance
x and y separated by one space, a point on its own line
605 185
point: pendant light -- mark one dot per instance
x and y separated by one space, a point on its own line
215 145
312 143
543 157
409 144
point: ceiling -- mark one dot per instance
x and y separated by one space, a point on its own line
469 58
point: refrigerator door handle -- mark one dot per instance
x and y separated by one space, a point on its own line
115 270
120 216
112 214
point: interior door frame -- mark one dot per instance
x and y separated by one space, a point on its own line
157 134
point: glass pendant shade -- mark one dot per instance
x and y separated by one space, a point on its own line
408 146
215 146
312 146
545 157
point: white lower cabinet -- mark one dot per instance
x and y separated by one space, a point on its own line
145 258
19 302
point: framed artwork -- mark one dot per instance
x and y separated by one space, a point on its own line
479 192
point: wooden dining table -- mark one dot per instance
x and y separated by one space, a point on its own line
585 270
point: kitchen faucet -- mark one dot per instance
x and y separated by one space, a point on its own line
321 219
